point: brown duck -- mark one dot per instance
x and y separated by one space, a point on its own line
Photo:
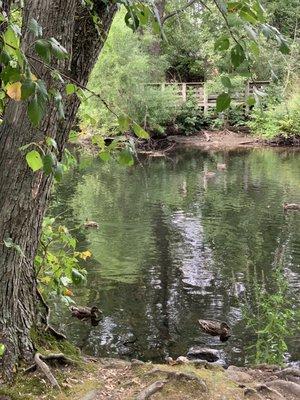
87 313
215 328
291 206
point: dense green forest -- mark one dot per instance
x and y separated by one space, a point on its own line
144 214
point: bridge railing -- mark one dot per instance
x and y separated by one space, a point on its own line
208 100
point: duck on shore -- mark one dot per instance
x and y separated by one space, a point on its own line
215 328
291 206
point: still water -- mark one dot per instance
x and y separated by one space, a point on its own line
174 246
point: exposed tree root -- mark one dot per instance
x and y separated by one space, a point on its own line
40 359
46 370
150 390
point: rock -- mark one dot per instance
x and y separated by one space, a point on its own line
238 376
288 372
182 360
271 394
285 387
250 393
203 353
91 395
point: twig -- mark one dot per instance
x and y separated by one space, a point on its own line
179 11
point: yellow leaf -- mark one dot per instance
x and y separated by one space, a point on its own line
85 254
33 78
68 292
14 91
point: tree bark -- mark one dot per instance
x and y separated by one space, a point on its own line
24 194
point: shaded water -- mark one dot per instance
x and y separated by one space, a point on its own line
174 247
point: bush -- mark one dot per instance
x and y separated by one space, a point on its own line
279 119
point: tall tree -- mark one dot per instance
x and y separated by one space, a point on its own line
24 194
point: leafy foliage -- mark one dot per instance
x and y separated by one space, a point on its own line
278 119
271 318
57 262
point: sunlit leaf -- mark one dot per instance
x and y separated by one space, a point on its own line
14 91
34 160
140 132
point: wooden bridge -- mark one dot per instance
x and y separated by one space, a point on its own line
208 100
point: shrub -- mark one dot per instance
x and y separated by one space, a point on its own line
279 119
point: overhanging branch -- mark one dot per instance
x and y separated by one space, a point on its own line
179 11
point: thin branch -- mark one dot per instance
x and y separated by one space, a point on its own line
75 83
179 11
226 22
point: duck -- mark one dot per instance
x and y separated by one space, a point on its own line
291 206
215 328
91 224
87 313
221 167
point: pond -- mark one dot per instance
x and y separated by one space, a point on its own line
175 246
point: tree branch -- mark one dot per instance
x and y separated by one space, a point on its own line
179 11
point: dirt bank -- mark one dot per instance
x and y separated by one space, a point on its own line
218 140
121 380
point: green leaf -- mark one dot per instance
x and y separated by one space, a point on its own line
249 16
124 123
104 155
49 161
4 57
140 132
237 55
10 74
35 111
71 88
59 105
2 349
226 82
73 136
58 172
35 28
126 157
51 142
57 49
222 43
27 89
43 49
251 101
284 48
77 277
34 160
223 102
11 40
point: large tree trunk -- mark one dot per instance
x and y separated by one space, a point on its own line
23 194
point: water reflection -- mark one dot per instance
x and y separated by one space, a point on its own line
174 246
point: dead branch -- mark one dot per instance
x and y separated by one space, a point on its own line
46 370
150 390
